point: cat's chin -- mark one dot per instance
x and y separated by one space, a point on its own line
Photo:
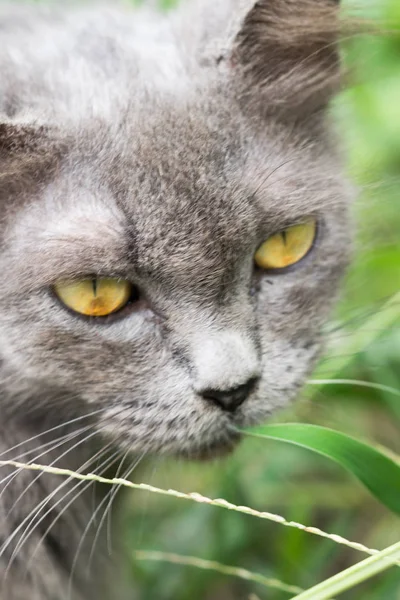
214 450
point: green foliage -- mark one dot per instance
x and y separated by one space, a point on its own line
379 473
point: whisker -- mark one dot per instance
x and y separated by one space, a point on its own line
42 433
85 439
48 444
143 501
63 439
118 474
86 485
36 512
24 454
33 511
79 548
107 512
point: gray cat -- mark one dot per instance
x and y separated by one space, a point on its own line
174 227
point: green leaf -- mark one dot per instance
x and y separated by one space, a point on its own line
379 473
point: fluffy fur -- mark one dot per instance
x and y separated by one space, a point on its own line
162 149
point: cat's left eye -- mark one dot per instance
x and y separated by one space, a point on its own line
287 247
95 297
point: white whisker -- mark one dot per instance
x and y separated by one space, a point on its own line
35 509
46 431
85 439
79 548
107 511
64 439
86 485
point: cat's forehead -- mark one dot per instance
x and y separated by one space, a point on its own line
163 207
169 170
200 157
174 185
176 165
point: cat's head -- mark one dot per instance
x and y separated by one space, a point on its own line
160 211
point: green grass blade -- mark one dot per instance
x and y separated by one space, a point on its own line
212 565
353 576
379 473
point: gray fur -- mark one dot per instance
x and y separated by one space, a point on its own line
163 149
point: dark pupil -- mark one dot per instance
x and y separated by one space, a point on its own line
94 286
283 234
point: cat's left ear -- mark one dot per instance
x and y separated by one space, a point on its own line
286 53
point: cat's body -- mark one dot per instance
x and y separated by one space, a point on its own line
160 150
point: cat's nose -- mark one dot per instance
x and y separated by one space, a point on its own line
231 399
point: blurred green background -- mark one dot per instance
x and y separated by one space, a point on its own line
287 480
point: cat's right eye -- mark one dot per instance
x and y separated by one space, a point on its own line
95 297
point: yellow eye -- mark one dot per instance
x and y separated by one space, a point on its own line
286 247
97 297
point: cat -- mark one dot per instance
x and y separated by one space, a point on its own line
174 229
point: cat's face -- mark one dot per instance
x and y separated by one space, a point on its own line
175 199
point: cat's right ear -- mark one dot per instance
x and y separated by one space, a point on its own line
285 54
